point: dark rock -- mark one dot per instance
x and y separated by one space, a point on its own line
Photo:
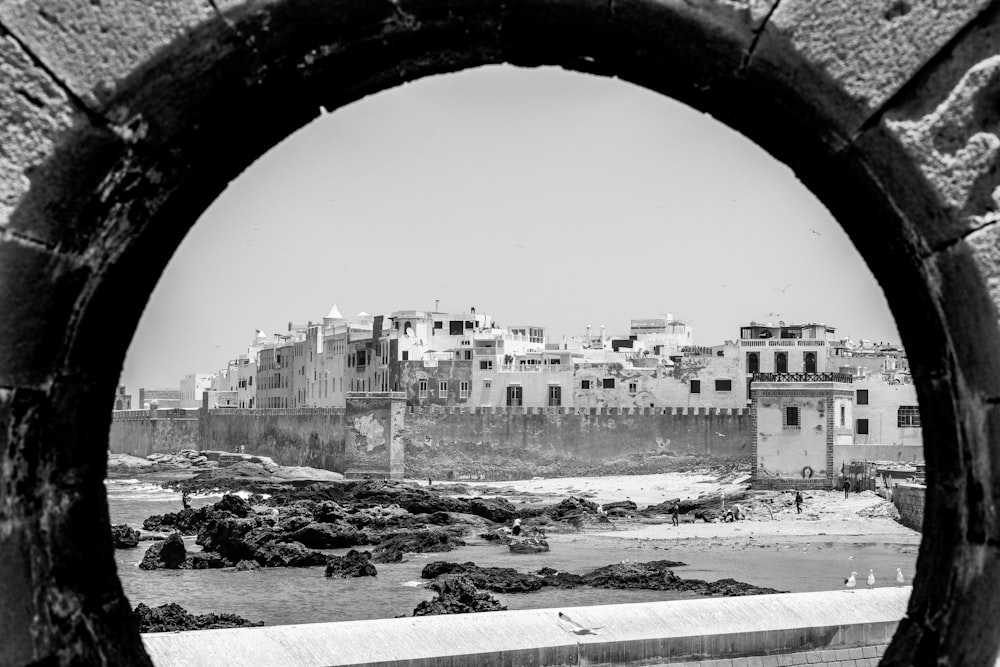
496 579
167 554
234 505
204 560
497 510
288 554
654 575
392 548
625 506
247 565
559 579
352 564
124 536
571 508
235 539
325 536
172 617
190 521
528 545
457 596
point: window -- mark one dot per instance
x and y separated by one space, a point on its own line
442 389
438 325
723 385
843 415
608 383
584 384
422 388
780 362
514 395
791 417
486 365
633 387
463 389
695 386
468 355
456 327
406 355
908 416
862 397
753 362
809 362
487 384
862 427
555 395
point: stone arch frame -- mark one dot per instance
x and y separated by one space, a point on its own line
121 124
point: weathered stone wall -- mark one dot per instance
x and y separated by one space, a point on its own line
141 436
330 439
296 437
909 499
505 443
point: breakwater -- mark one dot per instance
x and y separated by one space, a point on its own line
364 435
820 628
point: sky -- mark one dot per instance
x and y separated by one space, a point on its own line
538 196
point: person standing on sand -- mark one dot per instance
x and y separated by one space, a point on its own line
798 502
674 511
847 488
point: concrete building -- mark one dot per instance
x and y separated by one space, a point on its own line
193 385
123 401
798 419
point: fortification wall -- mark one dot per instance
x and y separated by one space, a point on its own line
909 499
589 433
294 437
505 442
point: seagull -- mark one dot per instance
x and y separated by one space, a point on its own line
576 628
899 577
871 579
814 232
721 435
323 110
850 582
850 558
782 289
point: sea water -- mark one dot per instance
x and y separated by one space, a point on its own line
280 596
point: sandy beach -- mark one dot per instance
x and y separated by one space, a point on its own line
770 515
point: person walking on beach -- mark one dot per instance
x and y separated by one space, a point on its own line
798 502
674 511
847 488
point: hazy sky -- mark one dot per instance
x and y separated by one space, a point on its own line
536 195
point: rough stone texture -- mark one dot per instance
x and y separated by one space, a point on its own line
124 121
869 49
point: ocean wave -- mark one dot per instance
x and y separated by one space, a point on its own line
109 482
417 583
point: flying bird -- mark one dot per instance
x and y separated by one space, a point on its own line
782 289
899 577
721 435
851 582
576 628
871 579
814 232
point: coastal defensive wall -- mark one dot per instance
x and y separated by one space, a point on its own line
824 628
360 436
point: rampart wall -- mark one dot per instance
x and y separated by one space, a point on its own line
909 500
437 437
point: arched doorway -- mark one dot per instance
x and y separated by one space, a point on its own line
122 130
780 362
809 362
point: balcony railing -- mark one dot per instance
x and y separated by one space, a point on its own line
782 342
803 377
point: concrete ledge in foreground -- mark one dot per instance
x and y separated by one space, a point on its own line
642 633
